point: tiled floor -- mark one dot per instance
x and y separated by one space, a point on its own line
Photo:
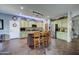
57 47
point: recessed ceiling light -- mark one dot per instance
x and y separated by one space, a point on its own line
22 7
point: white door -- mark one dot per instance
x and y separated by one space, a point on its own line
14 31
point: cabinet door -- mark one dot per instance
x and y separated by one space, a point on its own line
26 24
23 34
23 23
59 35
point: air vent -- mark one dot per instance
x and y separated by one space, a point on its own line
37 13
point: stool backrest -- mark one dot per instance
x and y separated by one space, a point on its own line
37 34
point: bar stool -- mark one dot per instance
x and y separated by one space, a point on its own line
47 33
44 40
37 39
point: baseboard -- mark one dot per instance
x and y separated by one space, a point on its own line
18 38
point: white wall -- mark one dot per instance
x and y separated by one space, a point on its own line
6 19
76 25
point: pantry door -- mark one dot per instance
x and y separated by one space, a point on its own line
14 31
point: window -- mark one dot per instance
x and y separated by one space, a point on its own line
1 24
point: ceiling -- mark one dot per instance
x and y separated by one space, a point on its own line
48 10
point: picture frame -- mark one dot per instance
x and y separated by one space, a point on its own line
1 24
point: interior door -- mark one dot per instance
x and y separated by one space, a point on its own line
14 31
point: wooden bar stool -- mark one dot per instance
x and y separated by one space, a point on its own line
44 40
36 39
47 33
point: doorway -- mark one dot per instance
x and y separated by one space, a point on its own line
14 29
56 29
75 27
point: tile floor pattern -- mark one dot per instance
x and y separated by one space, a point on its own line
57 47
